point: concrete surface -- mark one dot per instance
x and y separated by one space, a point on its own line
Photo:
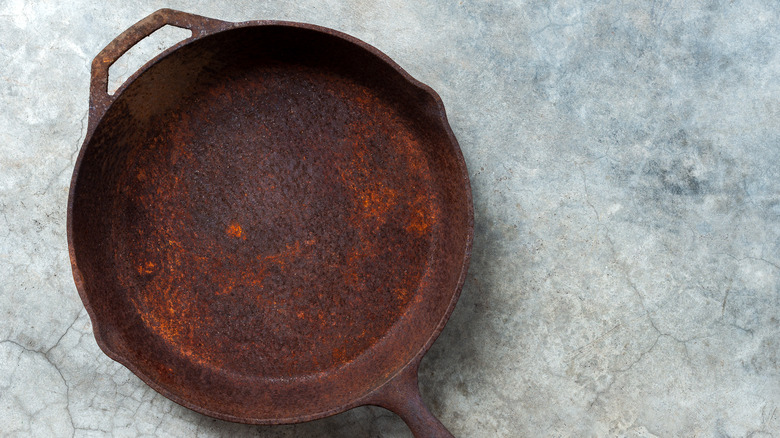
625 162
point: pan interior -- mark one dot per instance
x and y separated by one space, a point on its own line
268 212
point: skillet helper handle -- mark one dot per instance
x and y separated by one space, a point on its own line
402 396
99 99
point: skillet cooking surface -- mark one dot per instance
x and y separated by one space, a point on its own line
303 231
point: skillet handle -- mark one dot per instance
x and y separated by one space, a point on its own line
99 99
402 396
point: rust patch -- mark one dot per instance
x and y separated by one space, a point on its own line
235 230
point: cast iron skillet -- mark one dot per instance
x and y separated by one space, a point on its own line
270 222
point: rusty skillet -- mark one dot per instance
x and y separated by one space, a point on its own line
270 222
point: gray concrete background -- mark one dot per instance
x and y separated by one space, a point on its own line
624 158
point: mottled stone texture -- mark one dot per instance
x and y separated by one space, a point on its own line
625 162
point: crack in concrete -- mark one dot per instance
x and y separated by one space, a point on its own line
71 160
56 368
587 196
761 259
78 315
618 371
726 297
758 259
579 351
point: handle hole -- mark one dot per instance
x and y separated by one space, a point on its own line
141 53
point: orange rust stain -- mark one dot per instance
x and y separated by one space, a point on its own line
289 253
170 321
402 293
226 290
280 259
235 230
423 214
340 355
418 224
146 268
377 201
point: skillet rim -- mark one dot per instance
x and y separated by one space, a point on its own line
362 399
